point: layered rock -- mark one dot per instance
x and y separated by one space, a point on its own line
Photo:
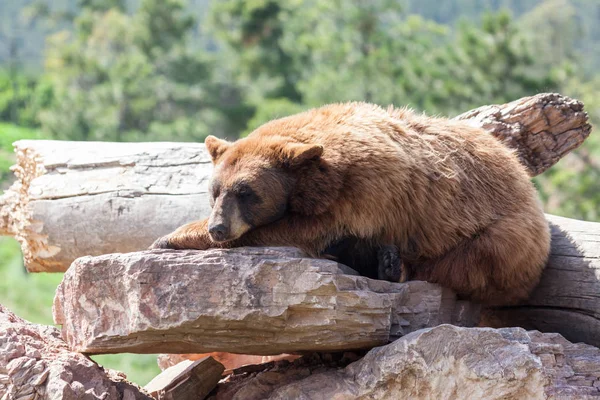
445 362
35 363
261 301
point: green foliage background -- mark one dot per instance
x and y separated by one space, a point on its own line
144 70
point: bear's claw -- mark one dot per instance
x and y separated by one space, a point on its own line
161 243
390 265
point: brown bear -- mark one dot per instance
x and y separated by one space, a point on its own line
357 179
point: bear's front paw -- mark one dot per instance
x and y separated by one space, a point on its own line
390 265
161 243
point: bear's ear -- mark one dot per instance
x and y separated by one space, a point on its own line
216 147
296 154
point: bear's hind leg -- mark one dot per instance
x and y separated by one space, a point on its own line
368 258
500 265
358 254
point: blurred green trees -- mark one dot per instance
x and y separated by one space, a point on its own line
140 70
119 76
373 51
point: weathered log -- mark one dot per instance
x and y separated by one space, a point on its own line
188 380
567 300
85 198
263 301
541 128
445 362
35 363
73 199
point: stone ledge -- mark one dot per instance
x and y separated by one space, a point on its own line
261 301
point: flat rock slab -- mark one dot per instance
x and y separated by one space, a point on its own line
35 363
261 301
229 360
188 380
444 362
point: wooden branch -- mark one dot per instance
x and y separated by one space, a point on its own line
567 300
541 128
81 198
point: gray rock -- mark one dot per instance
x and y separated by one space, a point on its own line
445 362
261 301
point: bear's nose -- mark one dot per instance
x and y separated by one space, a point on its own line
218 232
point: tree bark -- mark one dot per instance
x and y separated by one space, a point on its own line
82 198
541 128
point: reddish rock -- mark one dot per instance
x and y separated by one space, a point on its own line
229 360
188 380
35 363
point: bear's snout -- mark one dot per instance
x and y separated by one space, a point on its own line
218 232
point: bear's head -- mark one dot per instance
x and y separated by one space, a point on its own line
258 180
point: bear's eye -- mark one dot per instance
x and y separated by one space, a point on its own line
244 192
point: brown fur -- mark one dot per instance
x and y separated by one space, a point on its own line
455 201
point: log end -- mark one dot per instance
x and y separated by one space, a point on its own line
541 128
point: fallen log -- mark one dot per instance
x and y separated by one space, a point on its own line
445 362
263 301
36 364
84 198
73 199
567 299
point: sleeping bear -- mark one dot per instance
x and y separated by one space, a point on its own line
394 194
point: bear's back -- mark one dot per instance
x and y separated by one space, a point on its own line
437 179
434 179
